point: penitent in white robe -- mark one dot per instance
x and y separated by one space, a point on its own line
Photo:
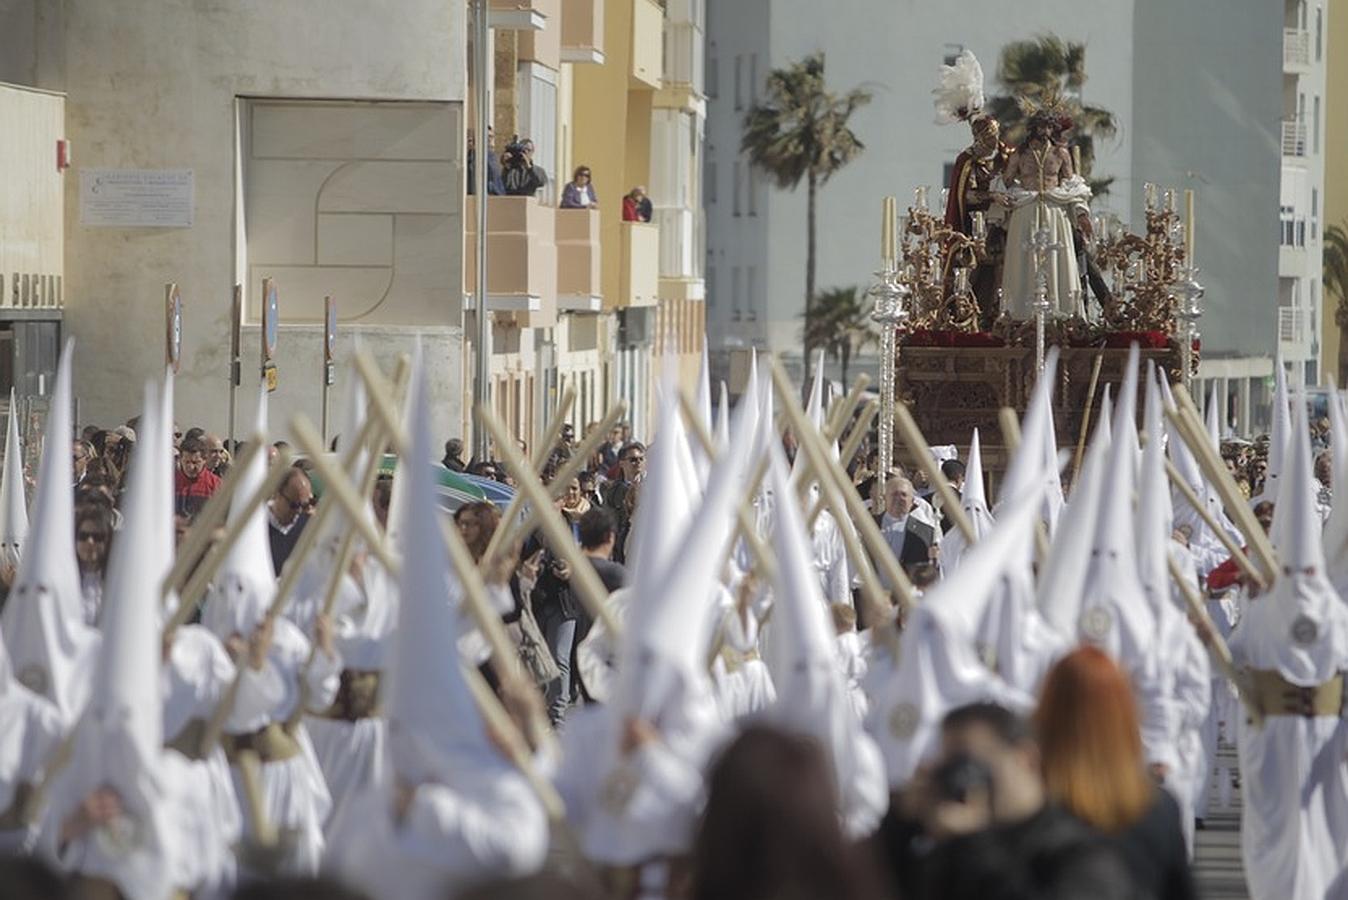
485 823
30 730
196 675
295 795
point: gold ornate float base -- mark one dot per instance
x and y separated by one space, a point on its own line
953 390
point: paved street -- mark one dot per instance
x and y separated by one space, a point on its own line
1217 864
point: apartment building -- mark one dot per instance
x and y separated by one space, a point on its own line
582 298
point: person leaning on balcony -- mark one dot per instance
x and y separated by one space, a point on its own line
637 206
522 178
579 192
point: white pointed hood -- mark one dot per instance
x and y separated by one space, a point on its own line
1033 461
938 666
666 504
813 698
668 630
1155 519
119 740
51 649
245 585
1063 576
1214 421
1180 454
1201 537
1300 627
702 393
13 500
160 443
1114 612
435 730
973 500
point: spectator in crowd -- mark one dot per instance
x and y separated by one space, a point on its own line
589 488
495 186
217 457
82 452
93 539
193 484
609 450
522 178
912 540
953 472
759 841
636 205
579 191
598 533
453 455
287 514
977 822
631 469
1091 747
380 499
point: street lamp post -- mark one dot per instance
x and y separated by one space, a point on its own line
482 151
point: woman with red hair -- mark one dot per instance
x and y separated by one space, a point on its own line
1091 748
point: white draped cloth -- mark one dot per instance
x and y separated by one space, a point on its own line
30 730
1029 211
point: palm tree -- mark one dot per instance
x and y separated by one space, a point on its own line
1334 264
840 322
799 131
1043 68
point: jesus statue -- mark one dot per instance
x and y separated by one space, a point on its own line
1040 189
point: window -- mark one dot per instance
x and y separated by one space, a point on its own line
710 286
1315 214
709 185
753 79
1315 126
735 186
753 191
952 53
1287 232
1319 31
713 74
751 291
735 293
739 82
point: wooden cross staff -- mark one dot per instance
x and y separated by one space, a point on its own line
844 503
1192 431
912 436
1237 552
1086 419
848 452
583 576
554 429
1213 640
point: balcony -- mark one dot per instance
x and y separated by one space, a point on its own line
648 39
639 275
1293 325
543 46
517 15
583 31
521 256
1293 138
1296 50
579 263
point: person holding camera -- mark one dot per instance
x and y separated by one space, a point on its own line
521 177
976 822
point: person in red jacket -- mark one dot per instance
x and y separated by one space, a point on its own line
193 484
1229 573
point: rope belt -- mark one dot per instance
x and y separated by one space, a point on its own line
189 738
630 882
734 659
1276 696
271 743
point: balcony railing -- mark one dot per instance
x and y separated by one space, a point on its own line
1296 48
1293 138
579 264
521 255
639 279
1291 325
648 25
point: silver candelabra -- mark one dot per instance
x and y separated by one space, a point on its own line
1041 245
889 295
1188 311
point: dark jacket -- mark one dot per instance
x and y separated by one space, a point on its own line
1050 856
918 538
1155 852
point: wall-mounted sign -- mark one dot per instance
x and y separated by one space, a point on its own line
136 198
173 319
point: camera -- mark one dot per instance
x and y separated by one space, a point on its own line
959 776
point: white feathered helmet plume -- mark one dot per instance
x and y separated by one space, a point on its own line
959 90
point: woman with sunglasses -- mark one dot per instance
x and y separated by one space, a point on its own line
579 192
93 538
